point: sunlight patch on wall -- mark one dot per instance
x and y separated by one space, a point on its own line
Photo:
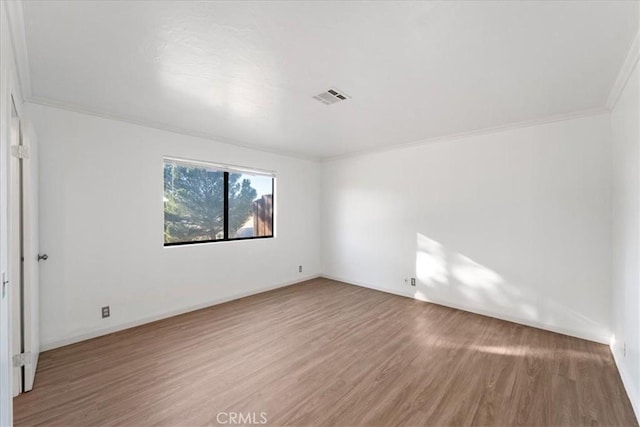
431 262
474 274
451 278
447 275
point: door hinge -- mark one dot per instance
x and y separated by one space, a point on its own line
22 359
20 151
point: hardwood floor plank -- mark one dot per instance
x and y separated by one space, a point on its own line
327 353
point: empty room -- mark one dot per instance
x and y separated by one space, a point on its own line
319 213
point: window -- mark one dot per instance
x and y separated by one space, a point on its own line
208 203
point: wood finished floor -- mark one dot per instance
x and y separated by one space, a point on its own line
326 353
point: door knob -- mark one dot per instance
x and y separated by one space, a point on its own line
43 257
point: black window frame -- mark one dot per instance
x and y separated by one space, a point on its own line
225 208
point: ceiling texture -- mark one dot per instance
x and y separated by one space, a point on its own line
247 72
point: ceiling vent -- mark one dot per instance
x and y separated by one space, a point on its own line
331 96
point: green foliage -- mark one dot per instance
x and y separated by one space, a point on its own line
241 197
194 203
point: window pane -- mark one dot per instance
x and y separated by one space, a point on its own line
250 206
193 204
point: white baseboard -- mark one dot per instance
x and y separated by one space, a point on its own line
115 328
599 338
626 381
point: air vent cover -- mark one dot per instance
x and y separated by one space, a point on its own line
331 96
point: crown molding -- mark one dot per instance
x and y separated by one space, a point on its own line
15 16
47 102
477 132
182 131
625 72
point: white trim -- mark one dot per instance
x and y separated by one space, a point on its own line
601 339
477 132
18 35
626 382
450 137
105 331
182 131
625 72
161 126
15 16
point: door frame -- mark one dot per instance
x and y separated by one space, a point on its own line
23 251
16 248
31 256
10 95
10 87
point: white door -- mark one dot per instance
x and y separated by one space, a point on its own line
24 254
15 245
6 377
31 247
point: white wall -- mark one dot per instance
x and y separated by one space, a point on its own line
101 210
625 127
513 224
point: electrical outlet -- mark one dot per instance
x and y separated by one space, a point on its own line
413 281
299 269
106 312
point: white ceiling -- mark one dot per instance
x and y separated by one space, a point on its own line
246 72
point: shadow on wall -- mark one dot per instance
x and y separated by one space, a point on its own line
451 278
